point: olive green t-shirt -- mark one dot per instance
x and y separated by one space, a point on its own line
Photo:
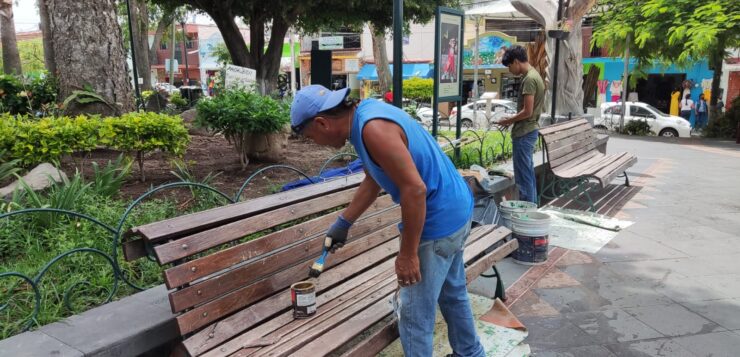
532 84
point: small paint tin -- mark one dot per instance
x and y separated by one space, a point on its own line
303 296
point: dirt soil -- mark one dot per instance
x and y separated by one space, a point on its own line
212 154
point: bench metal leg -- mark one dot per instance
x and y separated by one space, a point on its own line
626 179
500 290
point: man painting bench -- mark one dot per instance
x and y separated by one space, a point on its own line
436 206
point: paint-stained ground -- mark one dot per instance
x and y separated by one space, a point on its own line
669 285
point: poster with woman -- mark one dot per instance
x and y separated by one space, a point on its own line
448 54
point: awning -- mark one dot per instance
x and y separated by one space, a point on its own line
369 72
502 9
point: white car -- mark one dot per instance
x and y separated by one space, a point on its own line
488 111
660 123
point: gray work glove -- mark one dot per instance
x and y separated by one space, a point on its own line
336 236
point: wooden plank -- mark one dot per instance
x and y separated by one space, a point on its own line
596 167
375 343
575 167
477 268
225 329
561 126
190 223
560 135
291 339
238 299
586 135
554 156
337 336
244 275
201 241
479 246
279 328
570 157
195 269
608 174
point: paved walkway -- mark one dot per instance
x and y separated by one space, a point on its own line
667 286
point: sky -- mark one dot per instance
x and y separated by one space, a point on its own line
27 16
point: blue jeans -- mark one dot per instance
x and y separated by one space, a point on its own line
442 282
524 166
701 120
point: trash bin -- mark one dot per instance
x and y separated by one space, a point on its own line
191 93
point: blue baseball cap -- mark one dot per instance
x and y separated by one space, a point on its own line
312 100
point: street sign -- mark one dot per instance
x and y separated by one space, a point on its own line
331 43
239 77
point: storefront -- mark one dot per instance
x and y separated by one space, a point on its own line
368 76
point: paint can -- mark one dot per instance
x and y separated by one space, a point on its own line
507 208
303 296
532 231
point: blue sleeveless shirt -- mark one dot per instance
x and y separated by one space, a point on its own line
448 198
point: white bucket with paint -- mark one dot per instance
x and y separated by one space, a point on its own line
532 231
508 208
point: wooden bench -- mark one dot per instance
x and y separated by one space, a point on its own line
573 160
231 294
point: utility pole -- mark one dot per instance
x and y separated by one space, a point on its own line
186 77
555 68
172 58
625 82
133 54
292 63
398 53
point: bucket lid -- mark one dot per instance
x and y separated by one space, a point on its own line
517 205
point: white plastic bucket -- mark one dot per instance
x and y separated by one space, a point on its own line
531 230
508 208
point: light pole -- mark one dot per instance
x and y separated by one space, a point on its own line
398 53
186 78
133 54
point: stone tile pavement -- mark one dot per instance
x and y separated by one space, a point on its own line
667 286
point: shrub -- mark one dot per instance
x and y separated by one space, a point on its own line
725 125
419 89
107 181
178 101
239 114
638 127
50 138
142 132
24 95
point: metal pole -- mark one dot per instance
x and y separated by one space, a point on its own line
292 63
476 57
398 53
133 54
625 83
186 79
435 95
172 59
555 69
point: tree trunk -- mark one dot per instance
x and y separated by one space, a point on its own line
88 45
570 74
46 38
381 60
224 19
716 66
11 58
140 13
269 64
165 21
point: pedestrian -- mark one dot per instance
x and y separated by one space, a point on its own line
401 158
526 121
701 112
687 105
720 106
675 98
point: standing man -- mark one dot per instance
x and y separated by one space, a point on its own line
526 121
436 207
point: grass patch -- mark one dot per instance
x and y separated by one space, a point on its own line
488 149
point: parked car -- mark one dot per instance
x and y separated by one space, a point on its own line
487 112
660 123
425 115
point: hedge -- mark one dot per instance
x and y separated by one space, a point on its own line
33 141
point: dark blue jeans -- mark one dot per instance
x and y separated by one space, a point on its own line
524 166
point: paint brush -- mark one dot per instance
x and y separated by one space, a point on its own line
318 266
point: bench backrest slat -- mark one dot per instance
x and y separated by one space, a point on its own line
568 141
201 241
199 221
233 301
199 268
268 264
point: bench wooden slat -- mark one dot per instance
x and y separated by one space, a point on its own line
194 222
195 269
486 262
375 343
246 274
585 135
593 169
201 241
561 126
554 164
227 328
560 135
330 302
336 337
246 295
592 158
562 147
614 169
583 147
